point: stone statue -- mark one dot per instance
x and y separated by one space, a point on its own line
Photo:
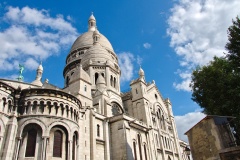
20 77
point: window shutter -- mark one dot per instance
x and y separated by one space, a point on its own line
57 144
31 143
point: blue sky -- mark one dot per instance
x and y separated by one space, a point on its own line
167 38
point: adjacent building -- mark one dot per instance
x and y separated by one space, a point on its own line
90 118
213 138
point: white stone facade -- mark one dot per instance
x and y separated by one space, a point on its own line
90 118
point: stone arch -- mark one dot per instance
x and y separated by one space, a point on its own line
75 144
73 130
58 141
58 123
139 140
96 75
31 135
31 121
134 146
116 108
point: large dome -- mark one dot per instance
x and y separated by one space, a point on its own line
86 40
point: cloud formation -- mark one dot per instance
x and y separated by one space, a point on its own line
198 31
31 36
147 45
187 121
125 60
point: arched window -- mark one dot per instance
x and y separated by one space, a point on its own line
31 143
67 81
96 77
57 144
139 145
116 109
156 96
4 103
135 151
74 147
102 74
114 82
163 123
111 80
145 151
157 140
98 130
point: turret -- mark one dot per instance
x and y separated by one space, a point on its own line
38 78
91 23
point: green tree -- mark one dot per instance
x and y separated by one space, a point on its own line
216 86
233 46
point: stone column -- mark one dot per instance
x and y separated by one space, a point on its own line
106 139
44 147
92 134
70 150
11 128
107 75
17 147
150 156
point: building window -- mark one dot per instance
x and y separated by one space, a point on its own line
85 88
31 143
96 77
156 96
114 82
57 144
134 148
111 80
67 81
98 130
157 140
145 151
74 147
139 145
136 91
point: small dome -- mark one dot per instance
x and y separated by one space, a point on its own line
141 72
92 17
100 80
96 32
40 67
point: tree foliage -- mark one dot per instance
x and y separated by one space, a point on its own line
233 46
216 86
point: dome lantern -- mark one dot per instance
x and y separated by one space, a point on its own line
91 23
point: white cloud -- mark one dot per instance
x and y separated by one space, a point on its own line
198 31
125 60
187 121
139 60
147 45
186 80
31 36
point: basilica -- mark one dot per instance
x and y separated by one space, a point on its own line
90 118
